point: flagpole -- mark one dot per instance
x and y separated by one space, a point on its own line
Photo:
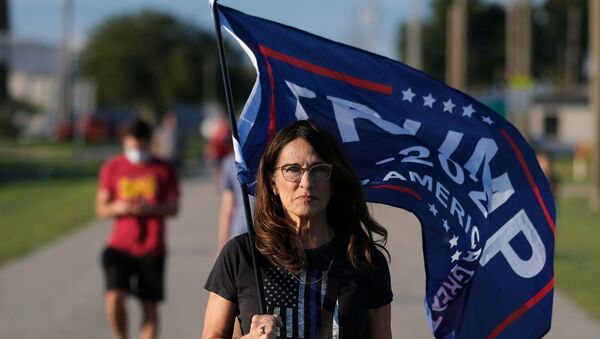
234 132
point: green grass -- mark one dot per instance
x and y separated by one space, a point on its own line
36 212
44 160
563 169
577 261
46 191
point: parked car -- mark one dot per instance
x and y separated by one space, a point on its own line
93 128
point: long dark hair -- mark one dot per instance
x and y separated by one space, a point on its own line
347 212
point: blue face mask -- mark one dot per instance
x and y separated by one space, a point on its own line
136 155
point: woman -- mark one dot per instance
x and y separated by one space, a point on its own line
323 273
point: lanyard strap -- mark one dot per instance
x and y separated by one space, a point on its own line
331 295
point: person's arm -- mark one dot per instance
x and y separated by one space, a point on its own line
225 217
220 317
166 209
379 322
105 208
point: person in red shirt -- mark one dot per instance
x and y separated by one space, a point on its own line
139 192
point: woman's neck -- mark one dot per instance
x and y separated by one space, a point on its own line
313 232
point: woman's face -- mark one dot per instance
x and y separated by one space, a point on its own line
307 198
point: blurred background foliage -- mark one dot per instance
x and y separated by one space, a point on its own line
153 61
486 41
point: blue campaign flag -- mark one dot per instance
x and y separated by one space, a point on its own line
485 206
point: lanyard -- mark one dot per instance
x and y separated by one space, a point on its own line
333 291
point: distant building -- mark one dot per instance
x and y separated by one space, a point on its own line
561 124
34 78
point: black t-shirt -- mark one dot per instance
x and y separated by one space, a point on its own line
299 304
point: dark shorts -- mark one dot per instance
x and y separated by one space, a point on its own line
140 276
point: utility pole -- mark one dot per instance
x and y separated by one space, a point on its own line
594 95
518 62
413 38
456 45
64 96
518 35
4 57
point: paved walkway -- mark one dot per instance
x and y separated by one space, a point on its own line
56 292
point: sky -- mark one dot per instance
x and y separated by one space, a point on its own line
40 20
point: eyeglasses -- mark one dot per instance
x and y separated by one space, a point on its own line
294 173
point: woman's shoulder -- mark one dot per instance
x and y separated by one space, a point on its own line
380 256
239 242
378 262
237 255
238 246
380 259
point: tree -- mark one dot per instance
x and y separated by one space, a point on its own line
560 41
152 60
485 39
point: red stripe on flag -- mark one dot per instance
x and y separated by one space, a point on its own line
272 115
400 189
354 81
550 285
521 310
532 183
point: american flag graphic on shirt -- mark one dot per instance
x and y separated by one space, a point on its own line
298 304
